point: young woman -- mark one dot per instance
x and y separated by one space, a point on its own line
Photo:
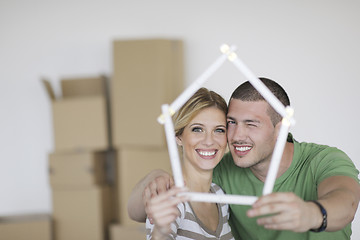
200 129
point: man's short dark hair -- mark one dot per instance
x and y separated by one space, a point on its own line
246 92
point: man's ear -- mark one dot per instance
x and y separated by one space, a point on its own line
277 128
178 141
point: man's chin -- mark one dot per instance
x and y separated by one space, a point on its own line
242 163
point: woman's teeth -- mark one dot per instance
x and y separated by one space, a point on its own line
206 153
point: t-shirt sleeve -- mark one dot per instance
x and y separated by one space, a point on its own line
334 162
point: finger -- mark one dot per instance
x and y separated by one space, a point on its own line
280 226
268 208
165 200
289 217
166 213
150 191
146 199
275 197
146 195
162 183
273 203
171 183
170 197
280 218
153 188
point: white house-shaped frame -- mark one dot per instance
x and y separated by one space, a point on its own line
285 111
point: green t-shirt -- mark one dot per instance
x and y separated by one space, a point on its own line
312 163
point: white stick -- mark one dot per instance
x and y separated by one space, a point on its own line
227 198
261 87
190 90
276 158
172 147
286 113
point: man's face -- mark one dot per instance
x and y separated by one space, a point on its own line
251 134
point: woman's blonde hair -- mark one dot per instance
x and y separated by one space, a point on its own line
202 99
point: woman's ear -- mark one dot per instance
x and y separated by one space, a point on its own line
178 141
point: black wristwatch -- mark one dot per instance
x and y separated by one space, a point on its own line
324 214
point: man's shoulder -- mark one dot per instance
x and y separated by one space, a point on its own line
317 150
325 161
305 147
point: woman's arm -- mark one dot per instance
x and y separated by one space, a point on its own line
164 211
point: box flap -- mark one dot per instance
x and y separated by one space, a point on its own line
83 86
26 218
49 89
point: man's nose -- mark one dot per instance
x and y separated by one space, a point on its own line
240 133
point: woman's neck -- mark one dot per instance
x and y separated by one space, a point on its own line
197 181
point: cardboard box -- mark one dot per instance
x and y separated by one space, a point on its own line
78 170
132 165
81 116
25 227
119 232
146 74
84 87
82 214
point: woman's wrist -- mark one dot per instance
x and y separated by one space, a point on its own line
160 233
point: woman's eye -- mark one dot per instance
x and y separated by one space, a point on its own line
220 130
197 129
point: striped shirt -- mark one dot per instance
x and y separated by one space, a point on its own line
188 226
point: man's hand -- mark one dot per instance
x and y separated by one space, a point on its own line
338 194
287 212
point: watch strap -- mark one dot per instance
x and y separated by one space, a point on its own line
324 214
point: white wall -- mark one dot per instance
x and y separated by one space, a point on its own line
310 47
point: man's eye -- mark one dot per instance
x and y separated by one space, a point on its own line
230 122
197 129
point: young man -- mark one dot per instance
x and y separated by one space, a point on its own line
316 192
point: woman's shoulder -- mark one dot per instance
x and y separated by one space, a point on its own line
214 188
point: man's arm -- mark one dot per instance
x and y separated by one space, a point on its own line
340 197
338 194
155 182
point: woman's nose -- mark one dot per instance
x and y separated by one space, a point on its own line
208 139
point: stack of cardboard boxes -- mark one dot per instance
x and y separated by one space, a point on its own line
98 159
80 166
146 74
24 227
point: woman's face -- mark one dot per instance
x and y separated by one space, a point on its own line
204 139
